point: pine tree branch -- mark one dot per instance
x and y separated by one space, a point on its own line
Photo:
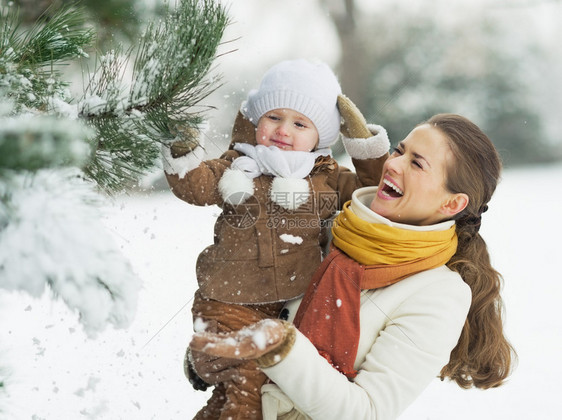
175 58
56 37
130 120
8 30
28 58
170 80
32 143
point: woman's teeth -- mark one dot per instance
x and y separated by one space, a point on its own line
393 187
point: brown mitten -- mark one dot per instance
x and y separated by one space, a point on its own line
186 140
267 341
354 125
277 354
362 141
203 369
193 377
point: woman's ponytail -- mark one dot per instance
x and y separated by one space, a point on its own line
483 356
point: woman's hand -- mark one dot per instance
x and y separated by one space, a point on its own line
248 343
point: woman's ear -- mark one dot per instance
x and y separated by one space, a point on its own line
454 205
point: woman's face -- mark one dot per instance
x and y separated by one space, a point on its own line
288 130
412 189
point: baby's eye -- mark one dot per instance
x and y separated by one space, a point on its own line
273 117
300 125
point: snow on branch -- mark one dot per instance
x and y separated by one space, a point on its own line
31 142
58 155
170 78
61 36
29 58
51 233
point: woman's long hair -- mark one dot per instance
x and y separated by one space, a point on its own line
483 356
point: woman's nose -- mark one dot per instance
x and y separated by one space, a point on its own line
395 164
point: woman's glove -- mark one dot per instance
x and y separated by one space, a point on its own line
267 341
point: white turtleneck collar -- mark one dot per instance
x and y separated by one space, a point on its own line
360 205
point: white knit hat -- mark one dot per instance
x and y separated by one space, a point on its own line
310 88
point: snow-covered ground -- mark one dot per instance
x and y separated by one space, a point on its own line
61 374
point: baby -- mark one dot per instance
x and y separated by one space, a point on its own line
278 187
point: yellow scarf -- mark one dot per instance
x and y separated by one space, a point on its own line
377 243
370 256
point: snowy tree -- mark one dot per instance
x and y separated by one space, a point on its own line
61 157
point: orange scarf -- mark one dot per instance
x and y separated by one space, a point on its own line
329 312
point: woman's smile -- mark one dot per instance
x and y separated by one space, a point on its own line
389 190
413 189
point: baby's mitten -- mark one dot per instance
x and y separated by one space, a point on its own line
267 341
361 140
354 124
185 142
184 153
194 379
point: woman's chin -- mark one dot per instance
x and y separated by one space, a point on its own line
380 208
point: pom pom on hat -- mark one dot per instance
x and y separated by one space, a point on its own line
310 88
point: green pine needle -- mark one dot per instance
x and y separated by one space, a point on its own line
28 57
33 143
56 37
170 80
129 120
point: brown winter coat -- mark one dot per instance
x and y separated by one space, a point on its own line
249 261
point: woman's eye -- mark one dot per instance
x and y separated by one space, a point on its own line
397 151
416 163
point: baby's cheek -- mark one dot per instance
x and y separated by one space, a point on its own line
261 138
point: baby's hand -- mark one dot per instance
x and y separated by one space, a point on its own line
361 140
354 125
181 148
185 141
247 344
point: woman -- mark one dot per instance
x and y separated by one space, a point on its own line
419 299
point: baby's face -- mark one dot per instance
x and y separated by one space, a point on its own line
288 130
